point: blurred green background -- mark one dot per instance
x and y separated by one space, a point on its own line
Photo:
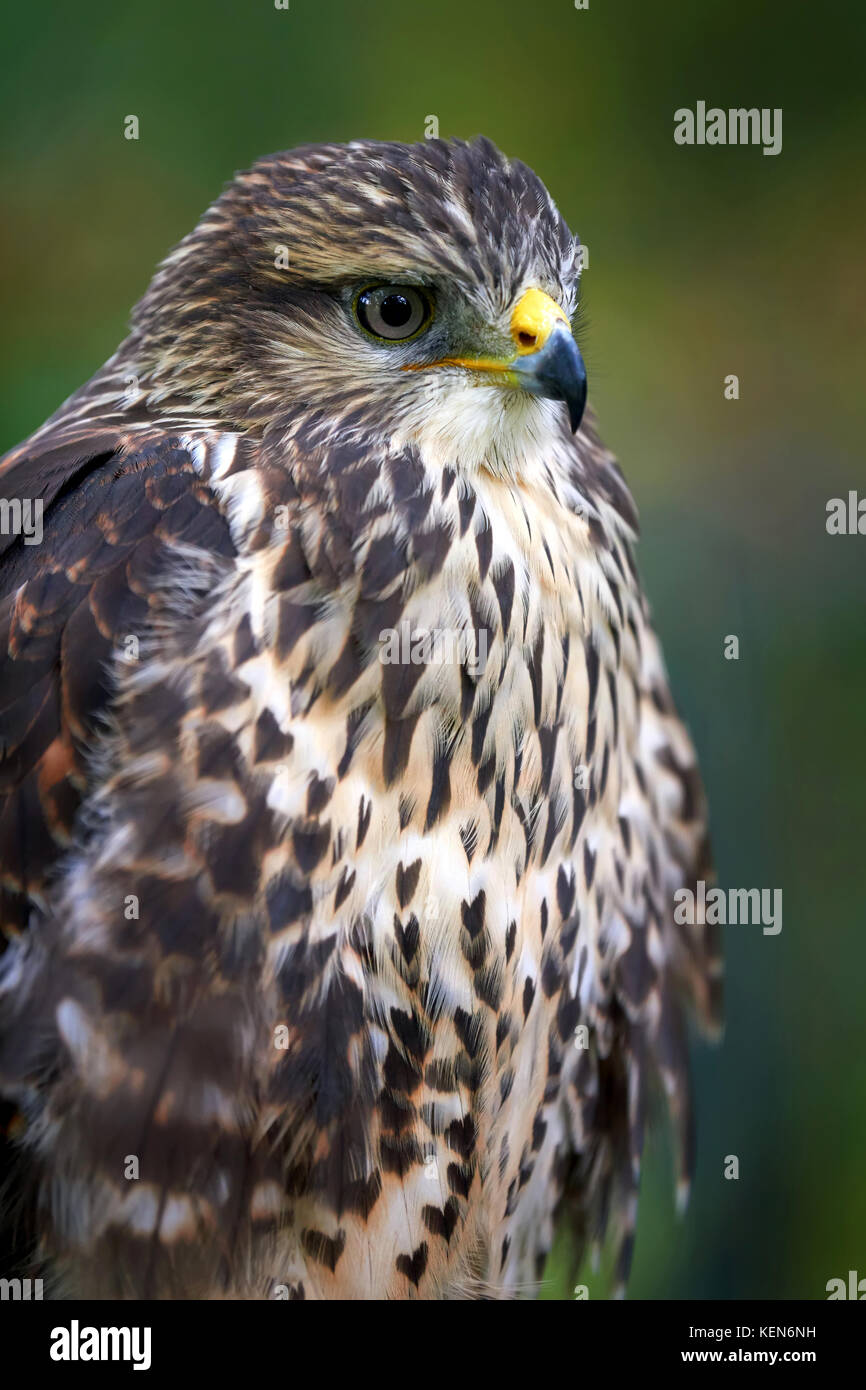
702 262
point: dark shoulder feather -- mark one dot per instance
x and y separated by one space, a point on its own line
112 511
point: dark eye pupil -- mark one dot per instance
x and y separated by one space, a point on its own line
395 310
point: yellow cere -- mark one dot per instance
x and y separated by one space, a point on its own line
534 318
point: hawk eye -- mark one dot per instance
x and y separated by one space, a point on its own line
393 312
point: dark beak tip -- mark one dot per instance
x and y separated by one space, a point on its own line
557 371
576 402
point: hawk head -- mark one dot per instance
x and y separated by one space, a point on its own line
425 292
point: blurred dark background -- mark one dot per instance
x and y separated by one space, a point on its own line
702 262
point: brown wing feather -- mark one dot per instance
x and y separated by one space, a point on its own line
115 512
111 519
663 972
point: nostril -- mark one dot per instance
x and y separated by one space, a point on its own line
527 339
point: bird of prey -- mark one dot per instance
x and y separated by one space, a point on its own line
338 963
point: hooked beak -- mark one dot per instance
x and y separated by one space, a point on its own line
556 370
548 361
